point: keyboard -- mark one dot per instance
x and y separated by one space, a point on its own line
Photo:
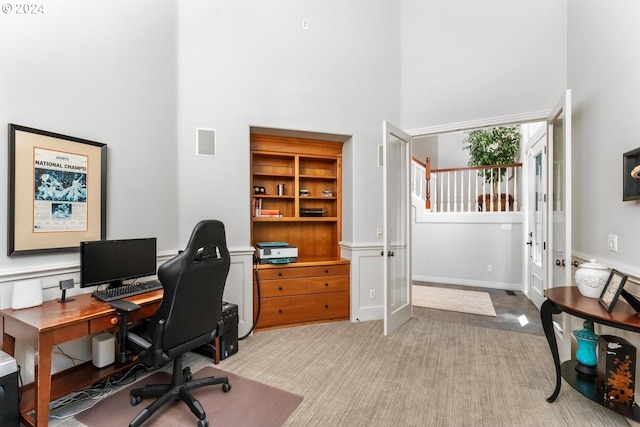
124 291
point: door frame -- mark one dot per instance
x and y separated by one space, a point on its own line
532 117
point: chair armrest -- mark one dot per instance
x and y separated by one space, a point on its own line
123 308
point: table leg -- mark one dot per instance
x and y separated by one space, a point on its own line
43 379
546 311
8 344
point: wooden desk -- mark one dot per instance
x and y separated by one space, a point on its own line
569 300
54 323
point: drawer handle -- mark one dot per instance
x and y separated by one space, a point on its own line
280 274
280 311
326 284
113 320
326 306
279 288
326 271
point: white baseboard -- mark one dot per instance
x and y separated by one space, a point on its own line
468 282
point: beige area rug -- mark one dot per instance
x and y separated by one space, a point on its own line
248 403
473 302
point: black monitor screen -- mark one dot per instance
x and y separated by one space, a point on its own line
112 261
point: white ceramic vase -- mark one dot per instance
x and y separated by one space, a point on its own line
591 278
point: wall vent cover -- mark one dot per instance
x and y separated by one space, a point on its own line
205 142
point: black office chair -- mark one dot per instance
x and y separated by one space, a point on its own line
189 316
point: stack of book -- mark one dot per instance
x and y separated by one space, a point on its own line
269 213
258 212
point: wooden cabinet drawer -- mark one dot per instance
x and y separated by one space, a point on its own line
307 285
291 272
304 308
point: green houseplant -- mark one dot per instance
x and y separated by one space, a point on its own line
493 146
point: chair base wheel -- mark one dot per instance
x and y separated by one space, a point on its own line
226 387
203 423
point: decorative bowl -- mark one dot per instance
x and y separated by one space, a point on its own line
591 278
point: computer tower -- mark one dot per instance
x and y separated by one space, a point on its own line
9 409
229 337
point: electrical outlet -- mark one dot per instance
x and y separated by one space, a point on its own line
378 232
305 24
489 268
372 293
613 243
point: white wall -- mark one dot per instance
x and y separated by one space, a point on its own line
465 60
96 70
251 63
103 71
603 73
141 76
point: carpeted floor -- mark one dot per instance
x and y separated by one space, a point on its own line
427 373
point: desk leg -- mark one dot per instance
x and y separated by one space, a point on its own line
546 311
8 344
43 378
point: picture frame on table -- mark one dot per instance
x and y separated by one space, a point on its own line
612 290
57 191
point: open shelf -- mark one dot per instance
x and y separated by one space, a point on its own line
76 378
587 386
316 287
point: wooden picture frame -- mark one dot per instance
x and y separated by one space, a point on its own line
630 179
57 191
612 289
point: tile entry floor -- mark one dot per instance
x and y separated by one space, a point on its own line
509 306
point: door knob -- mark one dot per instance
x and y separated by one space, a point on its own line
390 253
530 243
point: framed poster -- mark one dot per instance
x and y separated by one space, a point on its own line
631 175
57 191
612 290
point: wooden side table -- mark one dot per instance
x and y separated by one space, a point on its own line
569 300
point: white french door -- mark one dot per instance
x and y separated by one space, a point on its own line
548 220
397 227
559 135
536 268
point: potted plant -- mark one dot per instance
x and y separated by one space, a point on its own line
493 146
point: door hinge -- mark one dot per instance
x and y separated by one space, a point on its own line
544 246
545 149
545 198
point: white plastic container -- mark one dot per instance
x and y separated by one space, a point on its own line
591 278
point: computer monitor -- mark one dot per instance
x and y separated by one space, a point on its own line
112 261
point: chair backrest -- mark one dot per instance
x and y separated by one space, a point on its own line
193 283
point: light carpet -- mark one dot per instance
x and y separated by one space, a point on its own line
459 300
425 374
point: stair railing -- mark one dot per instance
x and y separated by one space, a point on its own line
465 189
